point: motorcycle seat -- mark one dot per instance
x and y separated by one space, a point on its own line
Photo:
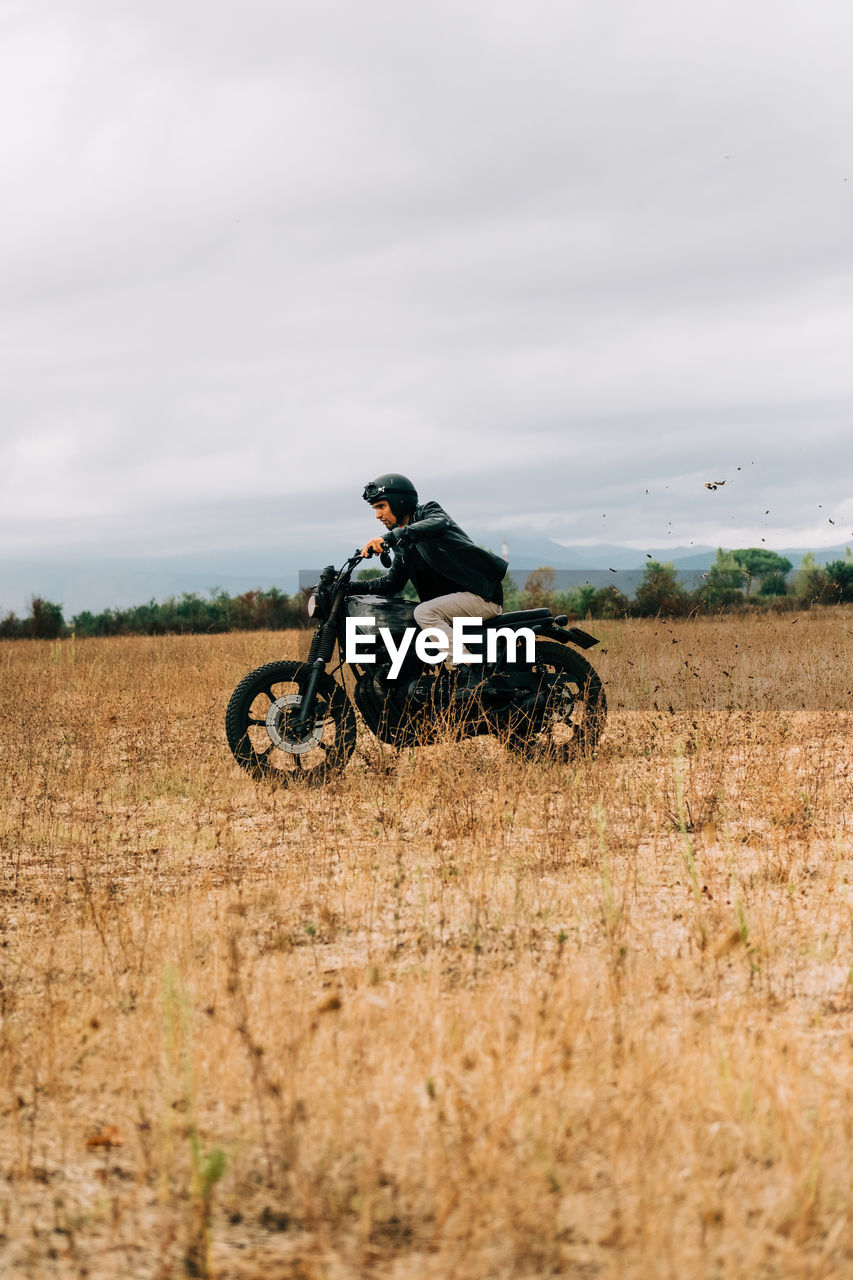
521 618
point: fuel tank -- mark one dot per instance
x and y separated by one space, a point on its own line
396 613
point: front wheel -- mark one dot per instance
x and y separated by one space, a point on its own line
259 725
570 706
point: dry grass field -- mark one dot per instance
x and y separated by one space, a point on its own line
455 1015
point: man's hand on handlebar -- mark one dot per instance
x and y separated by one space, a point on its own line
372 548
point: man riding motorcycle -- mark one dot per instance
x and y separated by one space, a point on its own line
296 718
452 576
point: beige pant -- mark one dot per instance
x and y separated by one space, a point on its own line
441 611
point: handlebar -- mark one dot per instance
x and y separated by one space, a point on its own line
346 570
384 556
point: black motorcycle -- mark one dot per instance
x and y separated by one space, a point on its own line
292 720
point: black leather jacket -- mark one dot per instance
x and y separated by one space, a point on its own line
446 548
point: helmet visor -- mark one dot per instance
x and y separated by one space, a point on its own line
373 492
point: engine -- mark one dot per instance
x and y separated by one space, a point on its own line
393 703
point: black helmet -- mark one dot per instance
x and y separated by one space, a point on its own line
398 491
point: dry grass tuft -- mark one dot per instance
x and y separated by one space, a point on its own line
454 1015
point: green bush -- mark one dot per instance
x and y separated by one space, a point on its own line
660 592
192 614
773 584
725 582
761 565
839 585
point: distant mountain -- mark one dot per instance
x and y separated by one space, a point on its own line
531 554
96 584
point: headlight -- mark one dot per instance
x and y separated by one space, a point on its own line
312 605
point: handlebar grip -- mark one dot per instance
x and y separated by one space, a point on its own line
384 557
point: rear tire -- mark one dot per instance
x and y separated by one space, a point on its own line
258 722
576 711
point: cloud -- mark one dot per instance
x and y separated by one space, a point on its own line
542 258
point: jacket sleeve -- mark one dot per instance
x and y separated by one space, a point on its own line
389 584
432 521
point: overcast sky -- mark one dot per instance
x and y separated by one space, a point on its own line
560 262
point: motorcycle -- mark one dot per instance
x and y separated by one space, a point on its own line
292 720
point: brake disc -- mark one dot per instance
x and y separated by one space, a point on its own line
282 710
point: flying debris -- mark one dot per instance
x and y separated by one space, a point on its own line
714 484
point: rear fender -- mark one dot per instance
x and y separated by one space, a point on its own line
567 635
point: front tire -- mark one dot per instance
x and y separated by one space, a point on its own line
259 720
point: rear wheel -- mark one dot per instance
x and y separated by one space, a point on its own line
260 725
570 709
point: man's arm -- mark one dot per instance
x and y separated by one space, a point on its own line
433 522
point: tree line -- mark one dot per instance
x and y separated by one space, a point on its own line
187 614
747 579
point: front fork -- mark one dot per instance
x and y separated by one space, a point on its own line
319 655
